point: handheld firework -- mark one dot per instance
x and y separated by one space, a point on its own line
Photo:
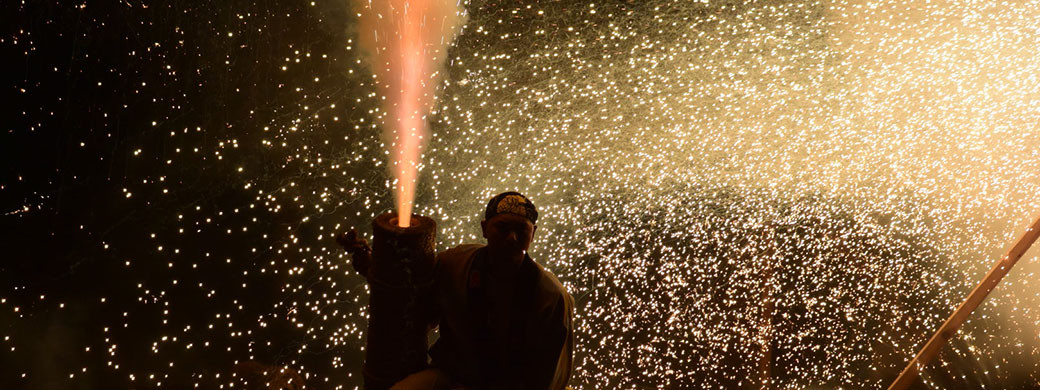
400 278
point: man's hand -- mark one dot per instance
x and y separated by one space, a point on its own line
359 250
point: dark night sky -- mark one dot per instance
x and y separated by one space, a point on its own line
122 129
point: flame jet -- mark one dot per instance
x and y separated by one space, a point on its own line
406 42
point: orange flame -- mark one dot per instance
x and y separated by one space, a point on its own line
406 41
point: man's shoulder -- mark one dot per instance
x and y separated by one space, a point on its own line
458 254
454 262
452 265
550 289
548 283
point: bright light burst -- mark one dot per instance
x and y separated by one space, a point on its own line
405 42
735 190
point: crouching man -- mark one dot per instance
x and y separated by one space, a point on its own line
505 321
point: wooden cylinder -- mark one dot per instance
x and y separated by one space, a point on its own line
401 300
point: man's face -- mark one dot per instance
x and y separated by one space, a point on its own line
508 234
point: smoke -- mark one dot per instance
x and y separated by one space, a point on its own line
406 42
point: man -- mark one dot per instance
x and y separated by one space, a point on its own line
505 322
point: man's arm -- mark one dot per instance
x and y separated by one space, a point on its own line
549 364
360 251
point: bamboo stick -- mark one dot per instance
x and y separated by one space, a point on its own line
949 328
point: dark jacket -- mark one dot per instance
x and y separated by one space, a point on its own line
529 345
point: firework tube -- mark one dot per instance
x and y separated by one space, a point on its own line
400 278
949 328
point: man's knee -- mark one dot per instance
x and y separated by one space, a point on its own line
428 379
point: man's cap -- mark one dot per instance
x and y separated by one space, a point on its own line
511 203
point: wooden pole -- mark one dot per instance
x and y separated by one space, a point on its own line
949 328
